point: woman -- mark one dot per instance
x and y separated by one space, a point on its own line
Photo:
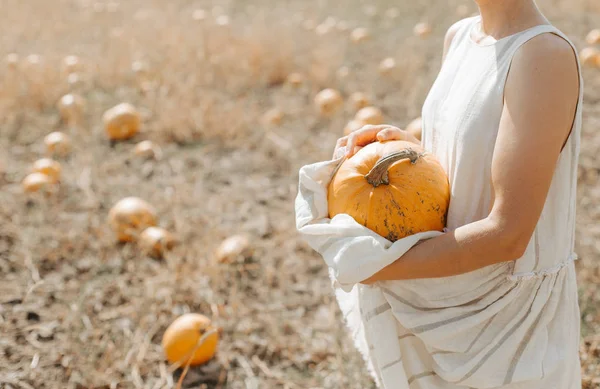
503 117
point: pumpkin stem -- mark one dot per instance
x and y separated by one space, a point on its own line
379 173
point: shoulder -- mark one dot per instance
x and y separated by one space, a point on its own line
452 30
543 84
547 56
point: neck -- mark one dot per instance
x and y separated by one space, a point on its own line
500 18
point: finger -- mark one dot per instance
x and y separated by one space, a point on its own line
361 137
341 141
391 133
367 134
351 144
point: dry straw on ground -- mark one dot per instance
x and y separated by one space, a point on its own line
78 310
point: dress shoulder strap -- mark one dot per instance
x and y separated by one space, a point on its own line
463 29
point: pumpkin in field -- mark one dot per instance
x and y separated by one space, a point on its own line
369 115
71 107
190 338
273 117
155 241
358 100
328 101
422 29
33 60
71 63
12 60
147 149
49 167
139 68
387 66
590 56
415 128
74 80
593 37
199 14
35 182
121 122
353 125
393 188
130 216
232 248
359 35
57 143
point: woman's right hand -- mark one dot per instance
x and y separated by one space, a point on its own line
369 134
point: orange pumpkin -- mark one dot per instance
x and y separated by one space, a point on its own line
155 241
593 37
387 66
147 149
71 63
130 216
184 335
369 115
35 182
49 167
121 122
71 107
232 248
328 101
358 100
12 60
393 188
590 56
57 143
359 35
422 29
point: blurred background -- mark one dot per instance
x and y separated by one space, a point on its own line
204 111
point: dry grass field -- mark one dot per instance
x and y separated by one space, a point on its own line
79 310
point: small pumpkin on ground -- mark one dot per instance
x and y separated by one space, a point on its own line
358 100
36 182
57 143
328 101
155 241
182 341
393 188
49 167
121 122
71 107
369 115
147 149
232 248
129 216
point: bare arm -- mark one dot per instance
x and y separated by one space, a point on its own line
540 100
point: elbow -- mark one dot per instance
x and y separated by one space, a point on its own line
514 247
512 242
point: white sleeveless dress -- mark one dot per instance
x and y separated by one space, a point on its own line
532 340
512 325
